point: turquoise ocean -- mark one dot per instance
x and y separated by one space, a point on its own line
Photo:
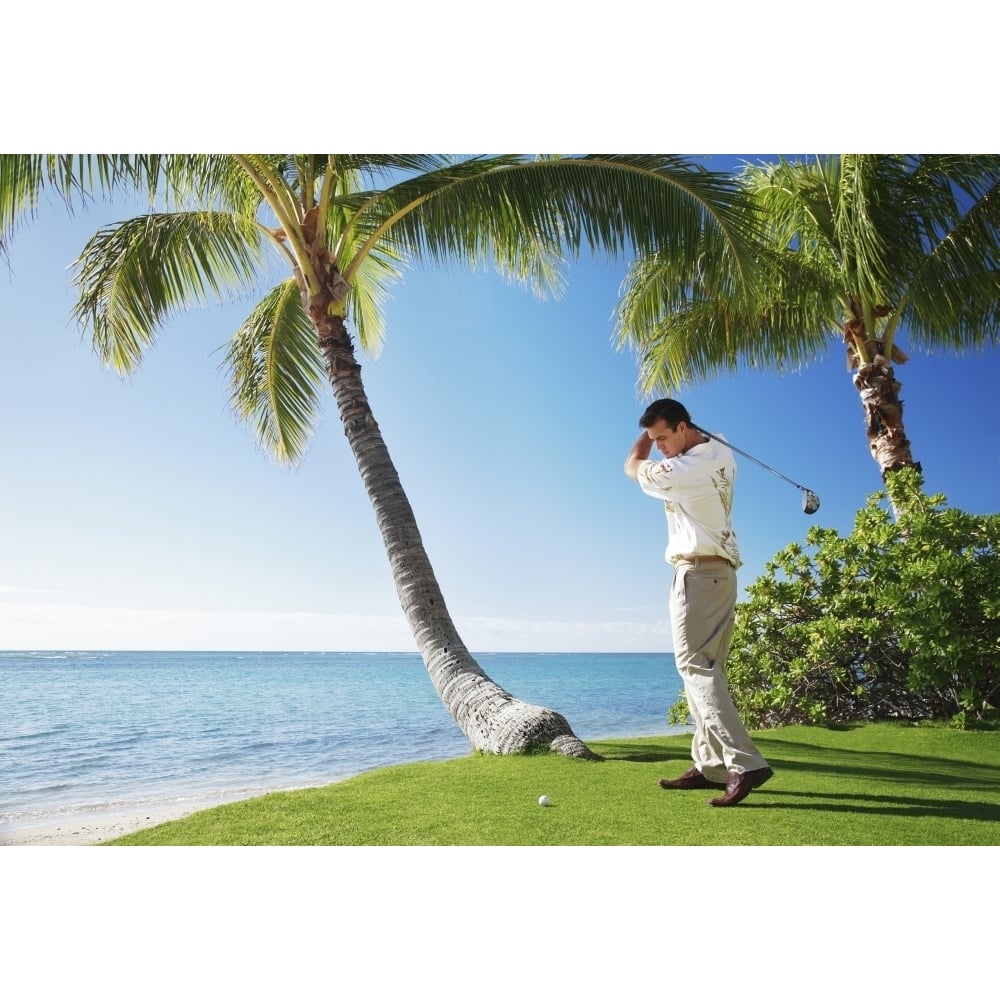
88 732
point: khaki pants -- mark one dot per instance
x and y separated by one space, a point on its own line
702 599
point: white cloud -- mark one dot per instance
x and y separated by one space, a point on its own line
505 634
77 626
40 625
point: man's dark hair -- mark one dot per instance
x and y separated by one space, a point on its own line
665 409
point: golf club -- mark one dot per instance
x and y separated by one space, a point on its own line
810 502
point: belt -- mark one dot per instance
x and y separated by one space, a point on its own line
703 561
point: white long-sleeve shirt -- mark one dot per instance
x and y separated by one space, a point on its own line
697 492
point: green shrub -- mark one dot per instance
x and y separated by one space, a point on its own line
898 620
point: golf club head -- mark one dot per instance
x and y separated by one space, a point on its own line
810 502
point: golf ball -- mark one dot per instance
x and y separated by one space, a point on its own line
543 800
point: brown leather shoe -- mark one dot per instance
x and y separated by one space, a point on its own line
691 778
741 784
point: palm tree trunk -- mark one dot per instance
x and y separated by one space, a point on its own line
491 719
883 409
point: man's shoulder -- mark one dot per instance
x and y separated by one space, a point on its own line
717 451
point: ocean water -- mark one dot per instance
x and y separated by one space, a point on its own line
82 732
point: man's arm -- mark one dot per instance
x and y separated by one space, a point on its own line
639 454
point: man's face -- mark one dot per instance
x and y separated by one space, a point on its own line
669 442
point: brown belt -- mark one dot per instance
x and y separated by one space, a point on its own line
703 560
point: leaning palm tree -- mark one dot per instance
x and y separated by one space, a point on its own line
340 228
854 250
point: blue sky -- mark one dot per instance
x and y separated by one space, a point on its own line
139 514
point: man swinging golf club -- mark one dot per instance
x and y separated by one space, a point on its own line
695 480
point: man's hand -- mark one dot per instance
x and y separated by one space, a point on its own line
639 454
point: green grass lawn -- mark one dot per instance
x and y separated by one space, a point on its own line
881 784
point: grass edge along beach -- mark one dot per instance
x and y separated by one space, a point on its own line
879 784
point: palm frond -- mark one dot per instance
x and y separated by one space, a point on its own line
689 311
74 179
528 217
276 372
368 165
953 296
862 243
941 218
685 333
796 203
952 179
214 182
135 274
369 290
693 344
303 173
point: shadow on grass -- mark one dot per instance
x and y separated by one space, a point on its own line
955 789
642 753
888 767
877 805
876 774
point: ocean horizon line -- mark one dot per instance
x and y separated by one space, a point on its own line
22 650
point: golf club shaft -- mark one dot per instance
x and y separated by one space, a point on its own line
739 451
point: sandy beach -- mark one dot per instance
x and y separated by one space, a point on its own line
83 829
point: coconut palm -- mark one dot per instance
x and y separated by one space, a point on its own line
856 249
328 233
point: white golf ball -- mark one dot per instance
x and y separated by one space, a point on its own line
543 800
